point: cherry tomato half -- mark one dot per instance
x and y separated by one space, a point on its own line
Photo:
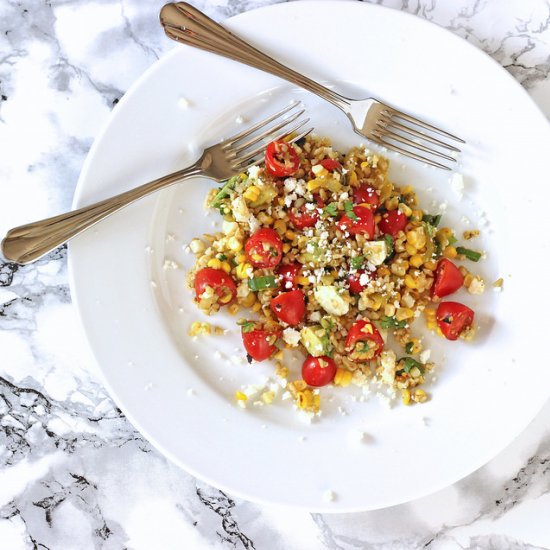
303 216
281 159
392 222
363 225
366 195
219 280
288 273
318 371
448 279
330 165
453 318
354 280
259 343
264 248
364 341
289 307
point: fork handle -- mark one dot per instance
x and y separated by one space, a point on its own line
185 23
29 242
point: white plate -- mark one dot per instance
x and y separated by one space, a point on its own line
178 392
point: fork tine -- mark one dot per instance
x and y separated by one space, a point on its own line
251 154
243 165
245 133
410 154
407 129
277 127
418 122
396 137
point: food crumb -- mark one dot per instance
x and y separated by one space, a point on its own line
329 496
240 119
190 391
183 103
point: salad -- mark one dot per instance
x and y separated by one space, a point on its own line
322 253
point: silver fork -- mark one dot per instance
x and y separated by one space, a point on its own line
370 118
29 242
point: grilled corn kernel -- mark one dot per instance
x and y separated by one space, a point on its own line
218 331
252 193
226 298
240 396
417 260
233 309
383 271
290 235
280 227
302 281
286 248
430 265
444 234
200 328
406 397
265 218
417 215
214 263
431 321
389 310
280 371
404 209
420 396
399 267
268 397
226 266
468 280
352 178
249 300
242 270
410 281
410 249
449 252
234 244
377 218
256 307
392 204
241 258
417 238
403 313
197 246
471 234
278 355
415 347
342 377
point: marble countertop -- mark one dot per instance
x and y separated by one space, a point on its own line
74 473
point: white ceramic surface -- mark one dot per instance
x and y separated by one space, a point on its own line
136 313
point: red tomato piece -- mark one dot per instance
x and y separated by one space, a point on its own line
288 273
264 248
354 280
364 331
281 159
392 222
259 343
448 279
289 307
363 225
303 216
318 371
453 319
330 165
366 195
219 280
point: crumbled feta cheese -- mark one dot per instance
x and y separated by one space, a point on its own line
425 356
253 172
375 252
183 103
170 264
329 496
388 364
477 286
457 184
290 185
240 209
239 119
291 336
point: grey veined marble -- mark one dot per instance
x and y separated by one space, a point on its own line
73 472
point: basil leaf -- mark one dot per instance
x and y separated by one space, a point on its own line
470 254
261 283
348 208
331 209
357 262
392 322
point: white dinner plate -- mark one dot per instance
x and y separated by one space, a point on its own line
128 274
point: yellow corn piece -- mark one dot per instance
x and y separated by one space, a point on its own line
406 397
352 178
226 266
404 209
242 270
280 227
240 396
342 377
214 263
278 355
430 265
198 328
280 371
302 281
410 249
450 252
417 260
233 309
249 300
241 258
290 235
256 307
410 281
420 396
226 298
252 193
286 248
403 313
234 244
265 218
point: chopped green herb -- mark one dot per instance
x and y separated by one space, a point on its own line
261 283
452 240
224 191
331 209
410 363
470 254
388 239
328 323
221 257
409 347
247 326
432 220
392 322
357 262
348 207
